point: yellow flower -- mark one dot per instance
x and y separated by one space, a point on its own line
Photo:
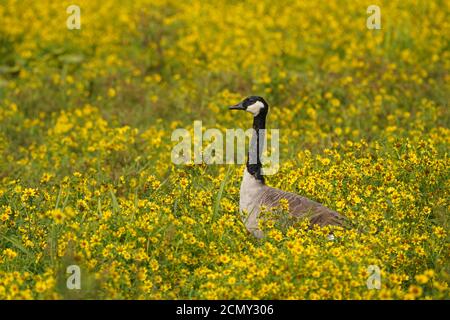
184 183
421 278
112 92
46 177
9 253
28 193
40 286
57 215
154 265
224 258
284 203
439 231
415 291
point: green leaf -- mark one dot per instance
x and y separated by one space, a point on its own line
71 58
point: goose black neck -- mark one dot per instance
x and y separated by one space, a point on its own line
256 146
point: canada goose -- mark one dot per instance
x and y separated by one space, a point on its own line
254 193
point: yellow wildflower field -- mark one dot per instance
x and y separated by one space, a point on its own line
86 117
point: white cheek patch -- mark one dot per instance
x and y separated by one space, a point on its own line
255 108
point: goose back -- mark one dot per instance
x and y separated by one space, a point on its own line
300 207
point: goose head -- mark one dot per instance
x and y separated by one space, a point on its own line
253 104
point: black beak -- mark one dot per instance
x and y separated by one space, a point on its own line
238 106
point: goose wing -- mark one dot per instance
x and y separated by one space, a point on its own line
301 207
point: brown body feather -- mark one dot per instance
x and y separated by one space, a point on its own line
301 207
255 195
